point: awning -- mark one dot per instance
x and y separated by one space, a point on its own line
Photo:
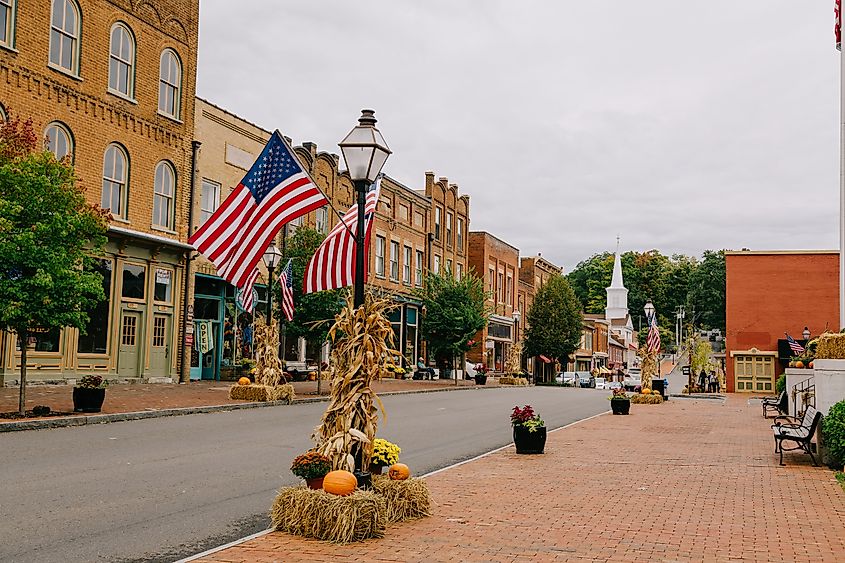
545 359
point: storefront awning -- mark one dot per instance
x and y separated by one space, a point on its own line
545 359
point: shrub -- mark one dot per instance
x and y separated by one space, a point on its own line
780 384
833 433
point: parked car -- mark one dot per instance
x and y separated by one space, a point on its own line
567 378
601 383
614 385
586 379
632 380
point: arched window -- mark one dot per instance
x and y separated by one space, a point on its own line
122 61
64 35
165 188
115 180
7 23
3 116
169 84
59 140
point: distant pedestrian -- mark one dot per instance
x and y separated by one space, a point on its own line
712 386
718 384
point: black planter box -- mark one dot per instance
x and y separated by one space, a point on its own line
620 406
527 442
86 399
480 379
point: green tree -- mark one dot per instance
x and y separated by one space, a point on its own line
590 278
554 321
455 310
47 233
313 312
707 290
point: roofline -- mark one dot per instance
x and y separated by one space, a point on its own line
412 191
494 237
236 116
786 252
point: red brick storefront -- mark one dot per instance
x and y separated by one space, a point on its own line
769 293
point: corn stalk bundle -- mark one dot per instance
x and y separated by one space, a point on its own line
518 381
318 514
513 364
406 500
362 342
831 346
648 367
268 366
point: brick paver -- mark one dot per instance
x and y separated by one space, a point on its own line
139 397
690 480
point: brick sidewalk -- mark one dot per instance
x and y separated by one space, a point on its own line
140 397
691 480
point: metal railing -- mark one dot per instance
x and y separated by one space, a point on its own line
806 391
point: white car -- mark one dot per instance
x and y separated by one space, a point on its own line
614 385
601 383
568 378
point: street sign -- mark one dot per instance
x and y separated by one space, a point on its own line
685 370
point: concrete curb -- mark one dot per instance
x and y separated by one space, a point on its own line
82 420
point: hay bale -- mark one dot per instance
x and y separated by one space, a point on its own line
510 380
646 399
831 346
260 393
406 500
318 514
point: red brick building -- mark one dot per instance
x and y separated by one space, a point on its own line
769 293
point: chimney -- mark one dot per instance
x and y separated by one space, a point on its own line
311 148
429 182
336 159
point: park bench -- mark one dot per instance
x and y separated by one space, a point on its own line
779 404
800 432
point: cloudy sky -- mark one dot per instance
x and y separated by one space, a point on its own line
681 126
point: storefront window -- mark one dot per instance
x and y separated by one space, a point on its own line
163 286
134 281
206 309
42 341
96 337
209 286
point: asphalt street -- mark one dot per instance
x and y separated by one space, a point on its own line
166 488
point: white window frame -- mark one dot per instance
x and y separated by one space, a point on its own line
8 23
164 195
170 82
380 248
437 216
122 60
459 270
436 263
419 266
509 290
61 129
460 234
321 219
211 188
394 260
114 180
65 31
449 228
406 265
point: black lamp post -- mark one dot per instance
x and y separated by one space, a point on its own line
271 258
806 333
365 152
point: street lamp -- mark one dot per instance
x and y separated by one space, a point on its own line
272 256
649 312
806 333
365 152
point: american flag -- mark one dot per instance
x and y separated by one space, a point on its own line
837 24
793 345
333 264
275 191
652 341
286 283
246 295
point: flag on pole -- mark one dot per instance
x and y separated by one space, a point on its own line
333 264
653 339
793 345
246 295
837 23
286 283
275 191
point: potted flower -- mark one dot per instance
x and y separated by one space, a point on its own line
384 455
89 393
619 402
529 431
480 374
311 466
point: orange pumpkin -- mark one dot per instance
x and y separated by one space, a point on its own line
810 365
799 364
646 391
398 472
243 381
339 483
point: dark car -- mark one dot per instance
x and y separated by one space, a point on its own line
586 379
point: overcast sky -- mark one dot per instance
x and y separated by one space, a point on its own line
681 126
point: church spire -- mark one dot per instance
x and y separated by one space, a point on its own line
617 295
617 281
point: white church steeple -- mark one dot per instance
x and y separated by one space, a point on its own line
617 295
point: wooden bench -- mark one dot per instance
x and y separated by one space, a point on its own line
800 432
779 404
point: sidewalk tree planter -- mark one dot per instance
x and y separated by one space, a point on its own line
620 403
89 394
529 431
480 379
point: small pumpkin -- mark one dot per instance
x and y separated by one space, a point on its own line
340 483
799 364
810 365
243 381
398 472
646 391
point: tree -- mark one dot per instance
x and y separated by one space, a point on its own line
707 290
455 310
48 233
554 321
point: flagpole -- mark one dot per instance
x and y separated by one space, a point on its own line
841 188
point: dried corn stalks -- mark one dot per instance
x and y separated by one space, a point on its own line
648 368
268 366
362 343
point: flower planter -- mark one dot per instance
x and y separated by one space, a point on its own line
316 483
528 442
620 406
480 379
86 399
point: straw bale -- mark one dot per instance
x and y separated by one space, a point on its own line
406 500
261 393
831 346
641 399
508 380
318 514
